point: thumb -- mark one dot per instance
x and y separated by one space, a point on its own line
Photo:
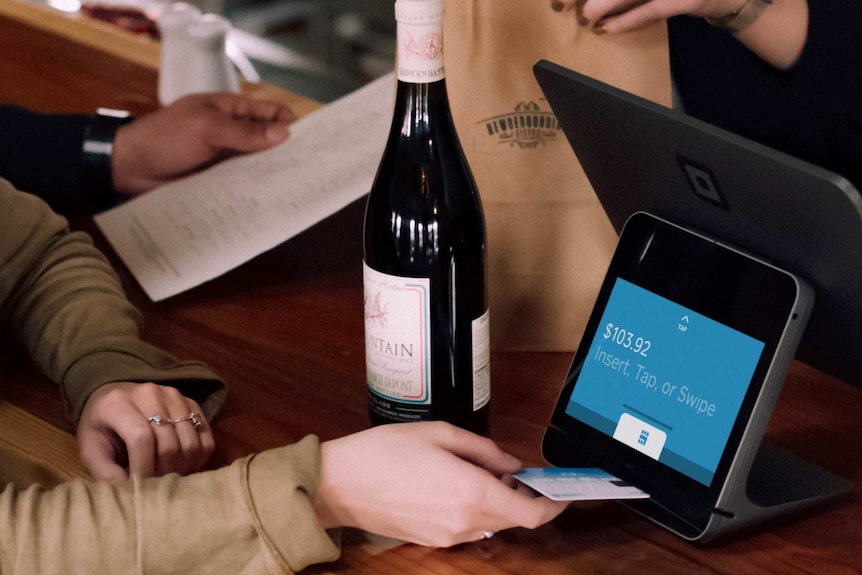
99 456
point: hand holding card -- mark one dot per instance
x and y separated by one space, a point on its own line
577 484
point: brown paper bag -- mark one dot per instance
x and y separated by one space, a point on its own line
549 241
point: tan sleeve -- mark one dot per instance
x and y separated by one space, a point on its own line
254 517
61 299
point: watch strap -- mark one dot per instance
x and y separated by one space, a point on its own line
98 150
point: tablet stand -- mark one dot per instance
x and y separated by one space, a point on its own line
778 483
781 480
765 481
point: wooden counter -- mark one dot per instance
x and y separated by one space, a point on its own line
285 330
58 62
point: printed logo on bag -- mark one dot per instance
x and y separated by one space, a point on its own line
525 128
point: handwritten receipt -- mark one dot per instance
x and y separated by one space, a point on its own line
195 229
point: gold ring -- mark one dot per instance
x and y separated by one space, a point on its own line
193 418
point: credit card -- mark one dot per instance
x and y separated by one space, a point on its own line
578 484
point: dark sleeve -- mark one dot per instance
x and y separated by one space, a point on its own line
42 154
812 111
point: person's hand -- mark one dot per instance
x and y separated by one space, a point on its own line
117 438
777 37
428 483
193 133
617 16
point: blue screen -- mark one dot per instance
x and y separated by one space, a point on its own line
664 380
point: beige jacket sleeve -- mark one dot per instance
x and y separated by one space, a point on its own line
61 299
254 517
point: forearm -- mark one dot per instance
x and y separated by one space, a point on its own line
778 36
252 517
61 299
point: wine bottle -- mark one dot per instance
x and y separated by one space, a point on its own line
426 303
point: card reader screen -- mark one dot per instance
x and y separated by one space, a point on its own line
664 380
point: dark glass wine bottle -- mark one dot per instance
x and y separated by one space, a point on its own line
426 303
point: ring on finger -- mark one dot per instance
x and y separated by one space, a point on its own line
159 420
193 418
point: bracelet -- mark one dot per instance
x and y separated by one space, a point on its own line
98 150
742 18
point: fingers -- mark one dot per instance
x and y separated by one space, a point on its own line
245 137
477 449
617 16
505 503
169 443
147 427
140 441
249 125
241 107
195 437
633 15
517 506
564 5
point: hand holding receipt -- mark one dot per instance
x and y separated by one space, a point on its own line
195 229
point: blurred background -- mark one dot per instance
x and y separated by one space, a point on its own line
321 49
317 48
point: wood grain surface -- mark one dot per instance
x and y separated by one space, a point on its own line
286 331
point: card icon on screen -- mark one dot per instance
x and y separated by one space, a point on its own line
640 435
642 440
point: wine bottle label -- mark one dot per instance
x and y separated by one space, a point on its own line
397 336
420 41
481 361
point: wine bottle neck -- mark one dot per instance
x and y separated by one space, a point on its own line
431 90
425 103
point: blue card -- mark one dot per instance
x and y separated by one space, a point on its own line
577 484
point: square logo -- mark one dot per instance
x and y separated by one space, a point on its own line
703 183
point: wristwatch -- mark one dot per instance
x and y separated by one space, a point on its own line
98 150
742 18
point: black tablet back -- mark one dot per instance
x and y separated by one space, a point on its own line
640 156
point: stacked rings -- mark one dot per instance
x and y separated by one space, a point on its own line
193 418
